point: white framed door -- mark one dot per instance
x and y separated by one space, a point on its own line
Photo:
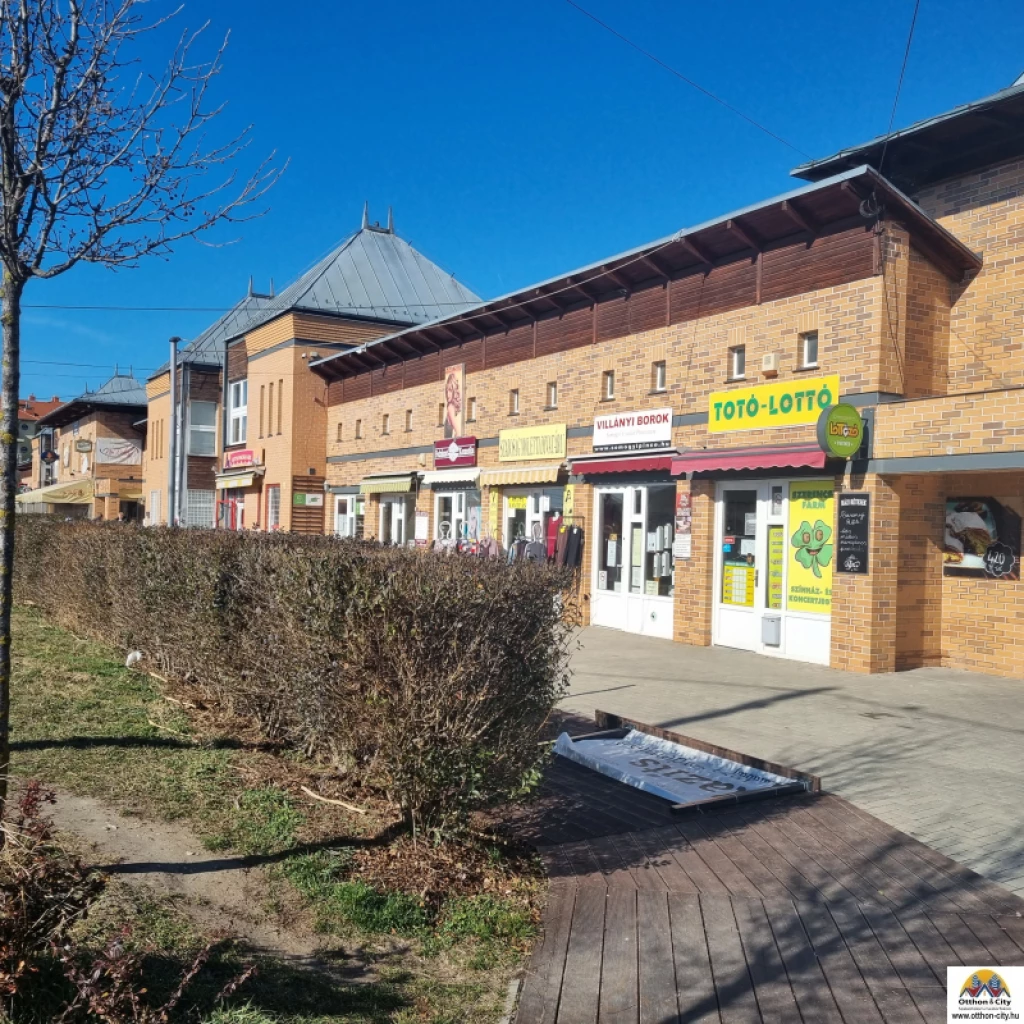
740 553
394 516
345 515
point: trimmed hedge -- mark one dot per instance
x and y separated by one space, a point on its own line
428 677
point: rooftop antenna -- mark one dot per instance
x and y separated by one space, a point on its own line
366 214
391 222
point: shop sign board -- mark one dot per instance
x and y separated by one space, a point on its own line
840 431
982 539
788 403
118 451
633 431
811 514
84 446
853 523
308 500
518 501
240 458
569 501
458 451
523 444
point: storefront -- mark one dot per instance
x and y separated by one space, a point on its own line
395 495
455 483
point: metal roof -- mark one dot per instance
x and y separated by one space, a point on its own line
373 275
121 390
776 221
965 138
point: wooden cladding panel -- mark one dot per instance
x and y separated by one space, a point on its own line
238 361
572 330
648 310
828 261
423 370
200 472
357 387
613 319
336 392
730 287
386 379
469 352
511 347
204 387
308 519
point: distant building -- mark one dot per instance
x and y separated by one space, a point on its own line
29 412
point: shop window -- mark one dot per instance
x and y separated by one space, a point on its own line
199 506
552 400
457 516
273 507
608 385
658 375
408 420
385 423
359 430
202 428
238 395
809 350
737 362
341 432
513 402
471 410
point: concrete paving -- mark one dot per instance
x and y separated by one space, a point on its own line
937 753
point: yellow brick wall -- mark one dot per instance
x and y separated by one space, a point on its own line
694 576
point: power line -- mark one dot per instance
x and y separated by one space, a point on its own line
689 81
899 85
87 366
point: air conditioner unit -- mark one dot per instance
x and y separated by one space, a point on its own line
770 364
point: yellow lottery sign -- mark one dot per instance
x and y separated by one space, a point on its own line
787 403
811 552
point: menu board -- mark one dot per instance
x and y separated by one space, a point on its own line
738 585
776 555
854 520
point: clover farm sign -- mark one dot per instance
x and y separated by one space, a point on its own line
811 515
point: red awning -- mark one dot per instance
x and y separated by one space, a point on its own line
623 464
793 456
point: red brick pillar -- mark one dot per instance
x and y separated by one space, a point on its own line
694 576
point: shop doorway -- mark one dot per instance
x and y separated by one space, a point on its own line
772 591
632 586
395 514
345 515
528 513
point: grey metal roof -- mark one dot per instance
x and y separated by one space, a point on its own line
121 390
376 275
208 347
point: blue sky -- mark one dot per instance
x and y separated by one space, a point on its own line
516 141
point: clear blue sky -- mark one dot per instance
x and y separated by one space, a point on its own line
517 141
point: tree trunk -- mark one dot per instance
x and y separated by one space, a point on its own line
10 318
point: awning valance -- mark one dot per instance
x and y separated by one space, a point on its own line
80 492
592 465
439 477
387 483
238 480
521 475
790 456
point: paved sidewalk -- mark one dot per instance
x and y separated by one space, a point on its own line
936 753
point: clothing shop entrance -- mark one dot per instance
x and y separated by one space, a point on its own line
632 587
773 568
532 516
395 519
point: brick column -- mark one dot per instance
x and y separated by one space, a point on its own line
864 607
694 576
583 512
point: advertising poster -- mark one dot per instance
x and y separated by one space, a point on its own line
454 389
982 539
682 546
810 561
492 513
776 557
117 451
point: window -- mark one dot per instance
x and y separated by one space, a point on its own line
273 507
440 414
470 410
513 402
153 512
408 420
202 429
270 411
199 507
385 424
239 419
658 376
738 362
809 349
359 429
341 432
552 394
262 397
280 402
608 385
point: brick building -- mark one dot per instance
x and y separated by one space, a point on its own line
666 402
262 463
87 454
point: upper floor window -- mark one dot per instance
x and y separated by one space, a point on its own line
440 414
359 429
608 385
385 423
408 420
809 349
659 378
341 432
470 410
202 428
552 398
238 427
738 362
513 402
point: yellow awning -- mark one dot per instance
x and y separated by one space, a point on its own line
230 482
78 493
521 475
390 484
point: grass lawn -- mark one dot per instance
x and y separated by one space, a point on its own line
83 723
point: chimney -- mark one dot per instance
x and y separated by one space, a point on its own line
56 398
31 397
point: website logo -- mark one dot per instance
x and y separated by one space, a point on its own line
984 993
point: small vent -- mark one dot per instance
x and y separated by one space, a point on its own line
770 364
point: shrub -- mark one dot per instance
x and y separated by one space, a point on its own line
427 677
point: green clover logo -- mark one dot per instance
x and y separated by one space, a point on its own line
812 547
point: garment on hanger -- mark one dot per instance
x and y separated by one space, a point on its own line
554 524
574 547
560 543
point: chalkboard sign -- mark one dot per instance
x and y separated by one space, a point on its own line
854 521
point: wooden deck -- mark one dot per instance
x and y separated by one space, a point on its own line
797 910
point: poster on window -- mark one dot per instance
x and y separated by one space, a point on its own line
118 451
454 390
981 539
810 560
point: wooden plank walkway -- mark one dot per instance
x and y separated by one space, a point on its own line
801 910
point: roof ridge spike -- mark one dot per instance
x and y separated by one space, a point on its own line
366 214
391 221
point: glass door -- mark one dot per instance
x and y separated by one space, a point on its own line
344 515
393 515
740 579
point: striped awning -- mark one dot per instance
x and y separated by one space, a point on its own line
521 475
387 483
75 493
236 480
437 478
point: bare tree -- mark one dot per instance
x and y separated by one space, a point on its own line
101 161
